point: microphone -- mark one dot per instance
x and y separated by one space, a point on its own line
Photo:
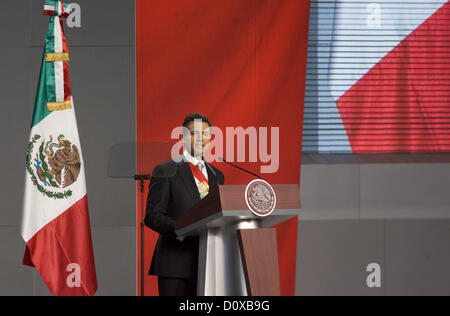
249 172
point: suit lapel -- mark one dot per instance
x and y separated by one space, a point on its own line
212 179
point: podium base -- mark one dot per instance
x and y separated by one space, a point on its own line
220 271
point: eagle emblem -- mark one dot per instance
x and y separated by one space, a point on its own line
260 197
54 166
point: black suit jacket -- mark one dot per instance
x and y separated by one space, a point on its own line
172 192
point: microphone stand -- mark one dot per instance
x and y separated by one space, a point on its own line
235 166
141 178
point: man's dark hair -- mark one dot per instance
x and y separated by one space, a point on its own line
195 116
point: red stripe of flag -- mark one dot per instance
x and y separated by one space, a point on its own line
67 90
65 240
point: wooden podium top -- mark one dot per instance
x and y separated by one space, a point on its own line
227 204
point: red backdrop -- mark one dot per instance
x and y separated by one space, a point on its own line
240 63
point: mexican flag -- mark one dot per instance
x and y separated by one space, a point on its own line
55 222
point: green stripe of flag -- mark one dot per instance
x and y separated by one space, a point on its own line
40 105
46 86
50 66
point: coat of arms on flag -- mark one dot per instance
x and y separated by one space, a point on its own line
55 222
53 164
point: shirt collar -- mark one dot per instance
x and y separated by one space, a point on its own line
191 158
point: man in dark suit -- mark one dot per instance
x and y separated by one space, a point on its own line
174 188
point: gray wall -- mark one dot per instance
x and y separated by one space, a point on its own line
102 73
397 215
393 214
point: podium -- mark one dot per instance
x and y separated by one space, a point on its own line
238 250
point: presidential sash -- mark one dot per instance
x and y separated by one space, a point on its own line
202 184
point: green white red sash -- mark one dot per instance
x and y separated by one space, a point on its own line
202 182
57 53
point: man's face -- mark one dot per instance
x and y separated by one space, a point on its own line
200 137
